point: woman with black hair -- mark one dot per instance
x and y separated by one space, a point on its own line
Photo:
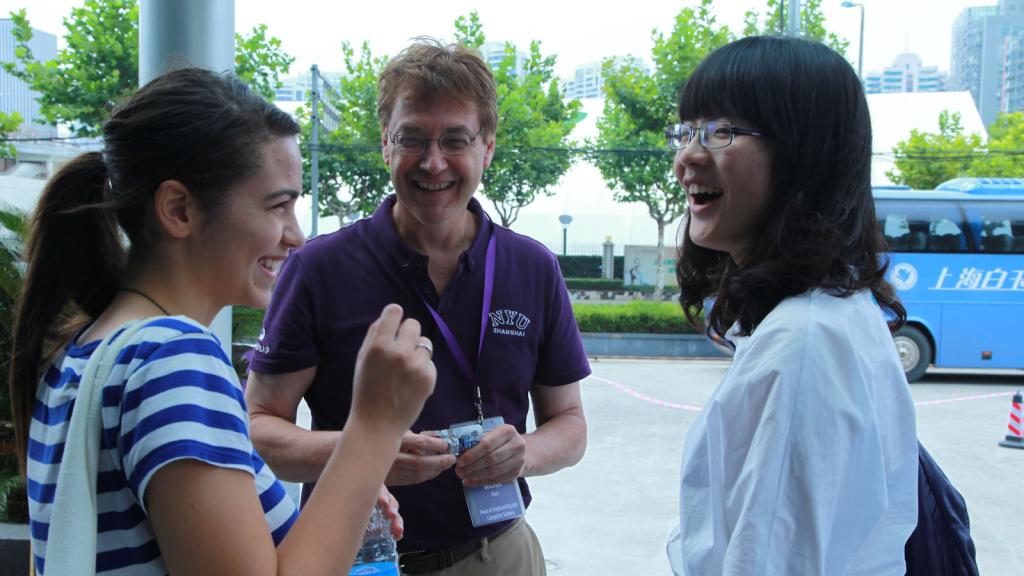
805 458
130 419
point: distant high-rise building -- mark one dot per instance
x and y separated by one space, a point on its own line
905 75
293 89
15 94
494 55
1012 98
296 88
982 52
588 81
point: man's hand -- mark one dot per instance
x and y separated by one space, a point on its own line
499 457
420 458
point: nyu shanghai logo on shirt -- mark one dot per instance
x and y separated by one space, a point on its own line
509 323
260 346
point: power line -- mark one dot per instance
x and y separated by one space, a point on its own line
51 139
922 154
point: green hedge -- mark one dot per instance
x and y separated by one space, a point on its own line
246 323
588 266
606 284
580 266
638 316
593 283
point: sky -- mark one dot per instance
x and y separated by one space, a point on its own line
578 33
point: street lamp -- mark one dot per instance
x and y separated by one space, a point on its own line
565 219
860 47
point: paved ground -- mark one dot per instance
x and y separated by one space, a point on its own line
610 514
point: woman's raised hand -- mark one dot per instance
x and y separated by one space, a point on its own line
394 373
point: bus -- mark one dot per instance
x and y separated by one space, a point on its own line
956 261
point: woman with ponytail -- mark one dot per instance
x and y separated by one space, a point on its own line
190 207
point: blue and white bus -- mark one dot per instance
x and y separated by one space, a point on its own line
957 263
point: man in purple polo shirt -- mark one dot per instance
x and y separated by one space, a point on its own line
493 303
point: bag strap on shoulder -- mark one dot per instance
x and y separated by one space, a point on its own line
71 542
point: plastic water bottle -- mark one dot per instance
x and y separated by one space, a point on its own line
378 554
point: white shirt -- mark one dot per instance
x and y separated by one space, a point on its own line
804 460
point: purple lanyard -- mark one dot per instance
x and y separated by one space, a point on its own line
449 337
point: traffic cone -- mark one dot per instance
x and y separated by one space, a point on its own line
1014 438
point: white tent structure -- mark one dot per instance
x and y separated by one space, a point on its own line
583 194
21 185
893 116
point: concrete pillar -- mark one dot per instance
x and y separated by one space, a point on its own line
179 33
176 33
793 27
608 258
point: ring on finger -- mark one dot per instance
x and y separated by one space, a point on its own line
426 345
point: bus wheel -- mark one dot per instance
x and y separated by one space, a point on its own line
915 352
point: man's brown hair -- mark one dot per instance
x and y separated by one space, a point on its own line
431 69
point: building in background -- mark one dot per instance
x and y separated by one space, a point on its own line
296 88
905 75
15 94
588 81
494 54
35 160
1012 98
986 57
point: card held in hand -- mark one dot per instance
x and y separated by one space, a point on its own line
490 503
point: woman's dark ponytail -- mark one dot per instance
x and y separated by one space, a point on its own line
75 258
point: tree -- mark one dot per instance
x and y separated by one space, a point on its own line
469 31
534 122
533 149
260 61
100 64
13 230
630 149
812 23
926 159
352 174
8 124
1002 156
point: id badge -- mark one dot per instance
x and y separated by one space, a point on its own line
490 503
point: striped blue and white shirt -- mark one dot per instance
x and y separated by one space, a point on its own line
172 395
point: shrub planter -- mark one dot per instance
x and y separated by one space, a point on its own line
14 549
647 345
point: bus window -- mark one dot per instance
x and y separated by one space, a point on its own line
998 227
925 226
945 235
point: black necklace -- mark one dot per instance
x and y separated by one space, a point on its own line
147 297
